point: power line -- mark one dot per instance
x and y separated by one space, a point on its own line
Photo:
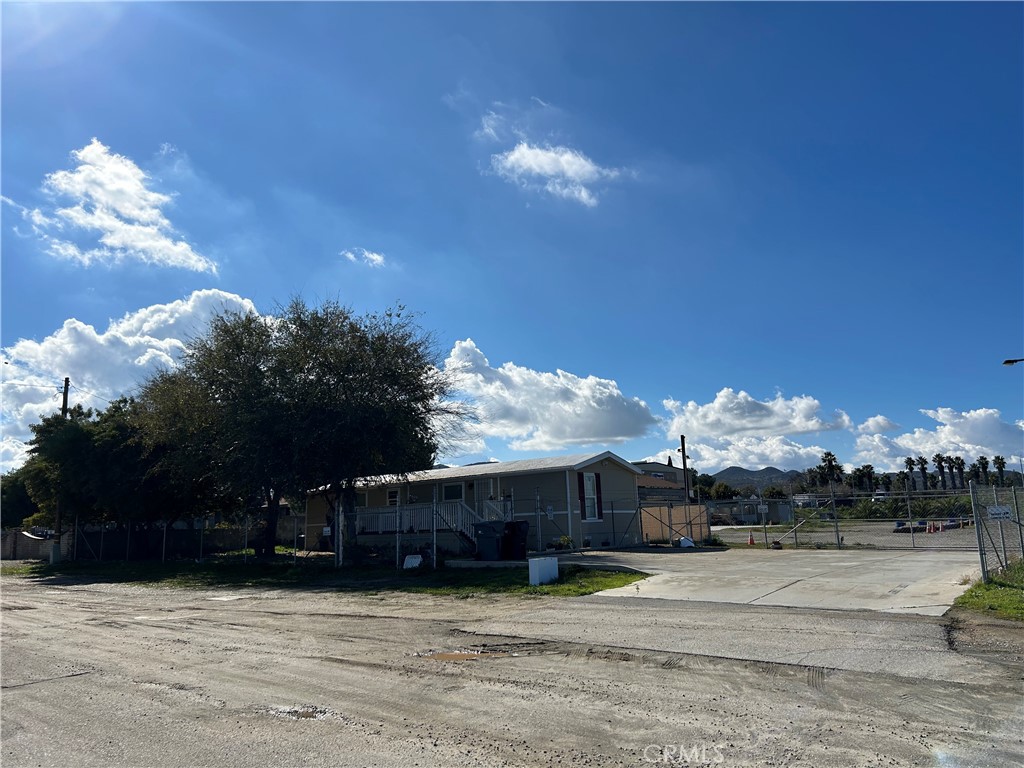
91 394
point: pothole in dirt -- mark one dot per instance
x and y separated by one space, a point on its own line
465 654
302 713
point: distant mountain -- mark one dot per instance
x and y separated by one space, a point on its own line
737 477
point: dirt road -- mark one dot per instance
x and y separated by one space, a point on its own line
113 675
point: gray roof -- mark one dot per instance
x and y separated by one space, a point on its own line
573 462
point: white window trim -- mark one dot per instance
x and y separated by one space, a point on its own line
460 486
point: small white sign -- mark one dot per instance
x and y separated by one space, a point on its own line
327 530
999 513
550 511
762 509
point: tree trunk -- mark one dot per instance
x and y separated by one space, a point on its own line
266 548
348 503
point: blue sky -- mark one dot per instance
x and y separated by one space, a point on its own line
777 228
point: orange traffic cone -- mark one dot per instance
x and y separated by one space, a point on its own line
750 539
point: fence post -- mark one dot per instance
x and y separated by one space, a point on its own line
74 543
163 552
910 521
835 517
1016 514
1002 538
977 531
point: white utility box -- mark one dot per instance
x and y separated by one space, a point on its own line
543 570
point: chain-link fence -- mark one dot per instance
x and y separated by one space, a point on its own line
666 523
181 540
998 529
932 520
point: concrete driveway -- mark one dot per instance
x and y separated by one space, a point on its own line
895 581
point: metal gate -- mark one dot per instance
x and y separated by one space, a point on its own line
998 527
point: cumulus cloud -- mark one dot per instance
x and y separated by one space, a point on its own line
363 256
106 211
737 414
968 434
877 425
537 410
560 171
102 364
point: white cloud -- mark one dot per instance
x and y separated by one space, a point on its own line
536 410
968 434
736 414
102 365
113 208
363 256
560 171
876 425
491 125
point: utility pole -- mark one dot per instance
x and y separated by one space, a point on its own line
57 523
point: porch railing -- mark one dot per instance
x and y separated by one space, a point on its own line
415 518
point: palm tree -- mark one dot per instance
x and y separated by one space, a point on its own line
1000 464
950 466
940 465
909 464
959 464
974 472
830 468
983 466
869 477
922 464
904 479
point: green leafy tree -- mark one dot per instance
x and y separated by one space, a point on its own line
369 395
16 503
705 483
267 408
722 491
773 492
58 469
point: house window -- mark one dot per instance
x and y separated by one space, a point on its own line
590 495
360 499
451 492
392 497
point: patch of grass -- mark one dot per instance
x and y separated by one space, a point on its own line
1002 596
319 573
18 568
573 581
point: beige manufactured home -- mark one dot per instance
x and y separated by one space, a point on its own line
582 500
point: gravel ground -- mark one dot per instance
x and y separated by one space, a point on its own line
115 675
